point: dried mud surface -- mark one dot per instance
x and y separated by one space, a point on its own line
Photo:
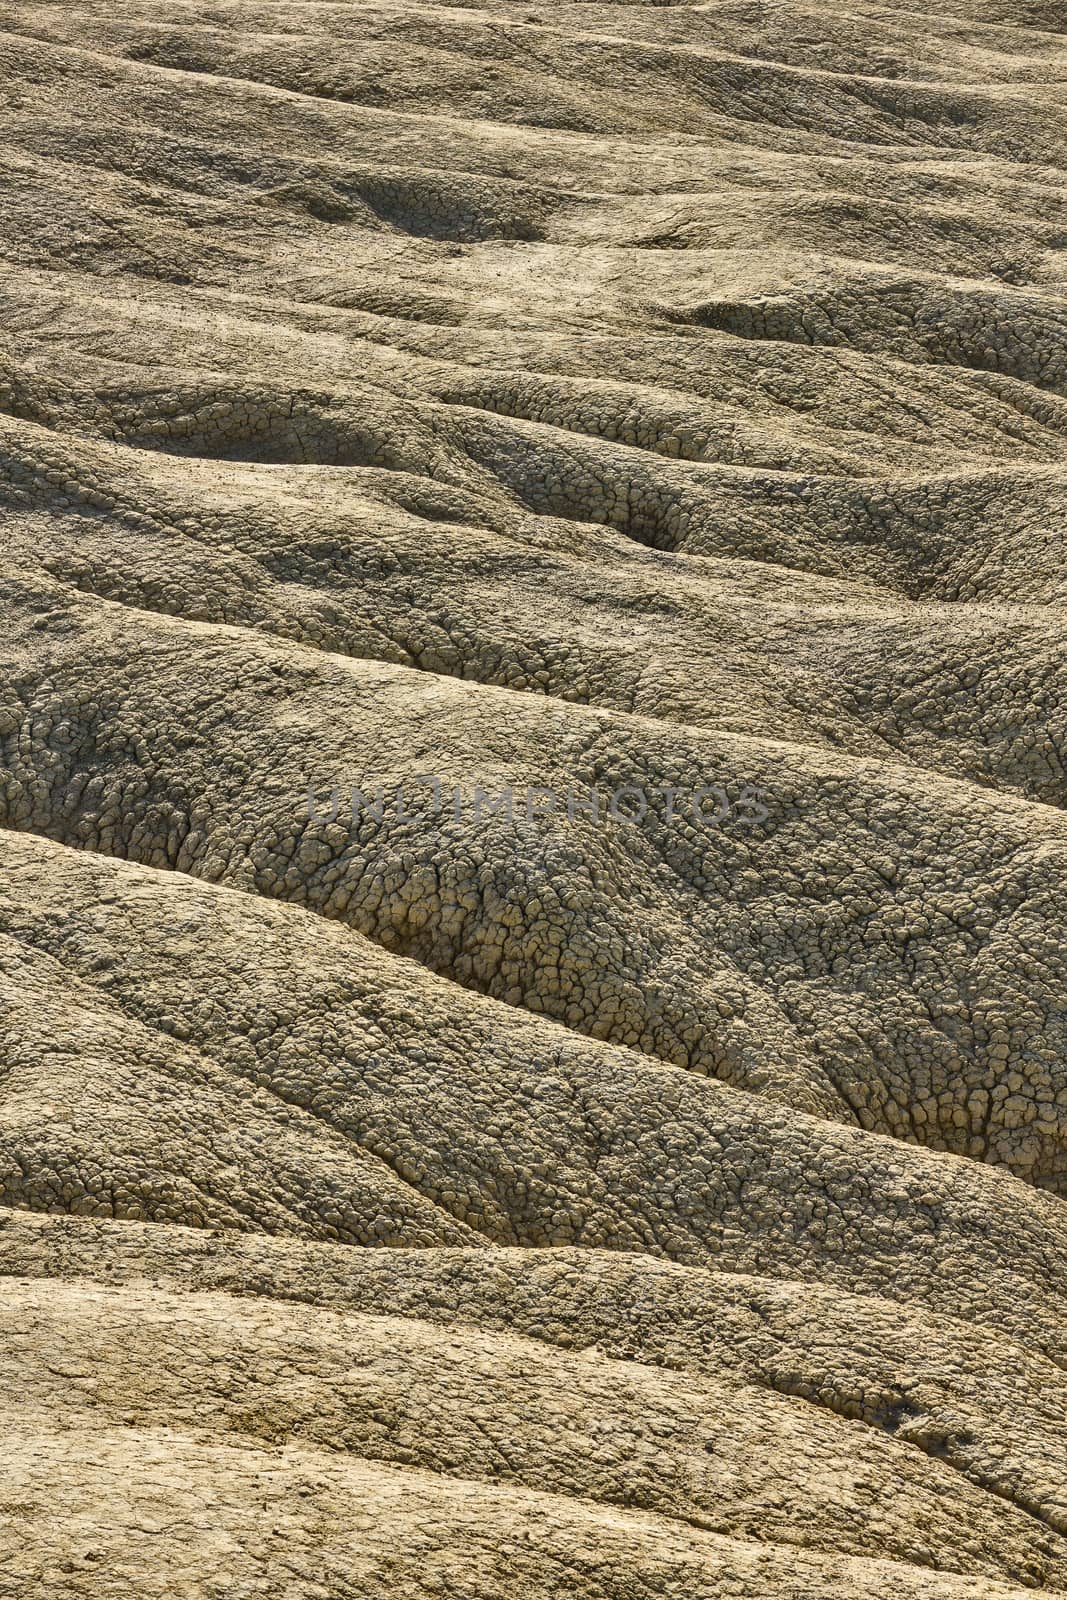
431 1199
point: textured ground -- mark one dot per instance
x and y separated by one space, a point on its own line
448 1205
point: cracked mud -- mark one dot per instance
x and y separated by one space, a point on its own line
490 1201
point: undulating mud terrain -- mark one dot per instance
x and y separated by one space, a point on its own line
533 776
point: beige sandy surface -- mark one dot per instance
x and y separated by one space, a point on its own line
622 1153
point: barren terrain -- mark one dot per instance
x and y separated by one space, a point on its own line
533 777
